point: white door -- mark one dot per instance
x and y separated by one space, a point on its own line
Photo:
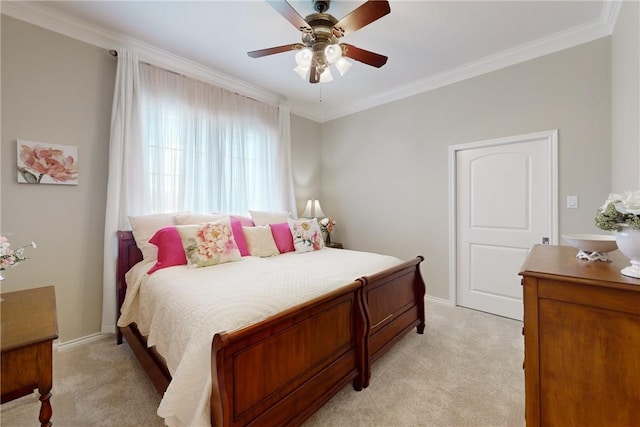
505 202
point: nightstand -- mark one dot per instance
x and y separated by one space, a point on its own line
29 326
334 245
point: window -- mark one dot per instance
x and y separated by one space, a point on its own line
207 149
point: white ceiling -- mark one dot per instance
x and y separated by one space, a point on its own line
429 43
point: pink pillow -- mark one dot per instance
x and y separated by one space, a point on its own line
238 235
245 220
170 250
282 236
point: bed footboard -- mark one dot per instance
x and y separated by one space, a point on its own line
394 304
278 372
281 370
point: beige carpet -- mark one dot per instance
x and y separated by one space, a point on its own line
466 370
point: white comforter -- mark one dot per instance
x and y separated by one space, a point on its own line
180 309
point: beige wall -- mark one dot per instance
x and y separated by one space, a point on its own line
385 170
381 173
625 66
305 159
57 90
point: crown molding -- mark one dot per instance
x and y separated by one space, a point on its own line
610 12
315 114
47 18
42 16
601 27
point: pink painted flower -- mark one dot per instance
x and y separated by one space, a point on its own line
49 161
215 238
316 241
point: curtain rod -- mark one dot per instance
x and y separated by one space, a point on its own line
114 53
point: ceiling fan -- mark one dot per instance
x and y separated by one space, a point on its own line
321 33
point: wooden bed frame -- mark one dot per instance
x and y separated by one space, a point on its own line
283 369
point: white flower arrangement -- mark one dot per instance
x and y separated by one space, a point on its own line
327 224
10 257
620 209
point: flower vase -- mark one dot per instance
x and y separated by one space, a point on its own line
327 238
628 241
1 279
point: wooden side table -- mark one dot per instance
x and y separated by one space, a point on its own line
29 326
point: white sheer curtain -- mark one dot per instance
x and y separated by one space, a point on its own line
182 145
125 178
210 149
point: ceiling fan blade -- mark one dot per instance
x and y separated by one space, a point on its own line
290 14
274 50
364 56
364 15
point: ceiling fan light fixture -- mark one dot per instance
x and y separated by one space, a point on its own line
326 76
320 45
342 65
332 53
303 58
302 71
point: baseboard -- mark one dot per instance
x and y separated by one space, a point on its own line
63 346
438 300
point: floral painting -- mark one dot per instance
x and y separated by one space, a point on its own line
40 163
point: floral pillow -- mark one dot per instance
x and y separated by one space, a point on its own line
306 235
208 244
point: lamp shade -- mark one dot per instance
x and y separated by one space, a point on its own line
332 52
342 65
326 76
303 57
313 209
302 72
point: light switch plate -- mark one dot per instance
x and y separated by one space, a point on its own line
572 202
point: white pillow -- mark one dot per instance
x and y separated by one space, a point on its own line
145 226
199 218
260 241
306 234
265 217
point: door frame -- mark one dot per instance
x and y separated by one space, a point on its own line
552 140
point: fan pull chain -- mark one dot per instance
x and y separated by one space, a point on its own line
320 91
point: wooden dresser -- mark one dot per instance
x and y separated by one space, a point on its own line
582 340
29 326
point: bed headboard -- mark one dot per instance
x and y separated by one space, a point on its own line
128 256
